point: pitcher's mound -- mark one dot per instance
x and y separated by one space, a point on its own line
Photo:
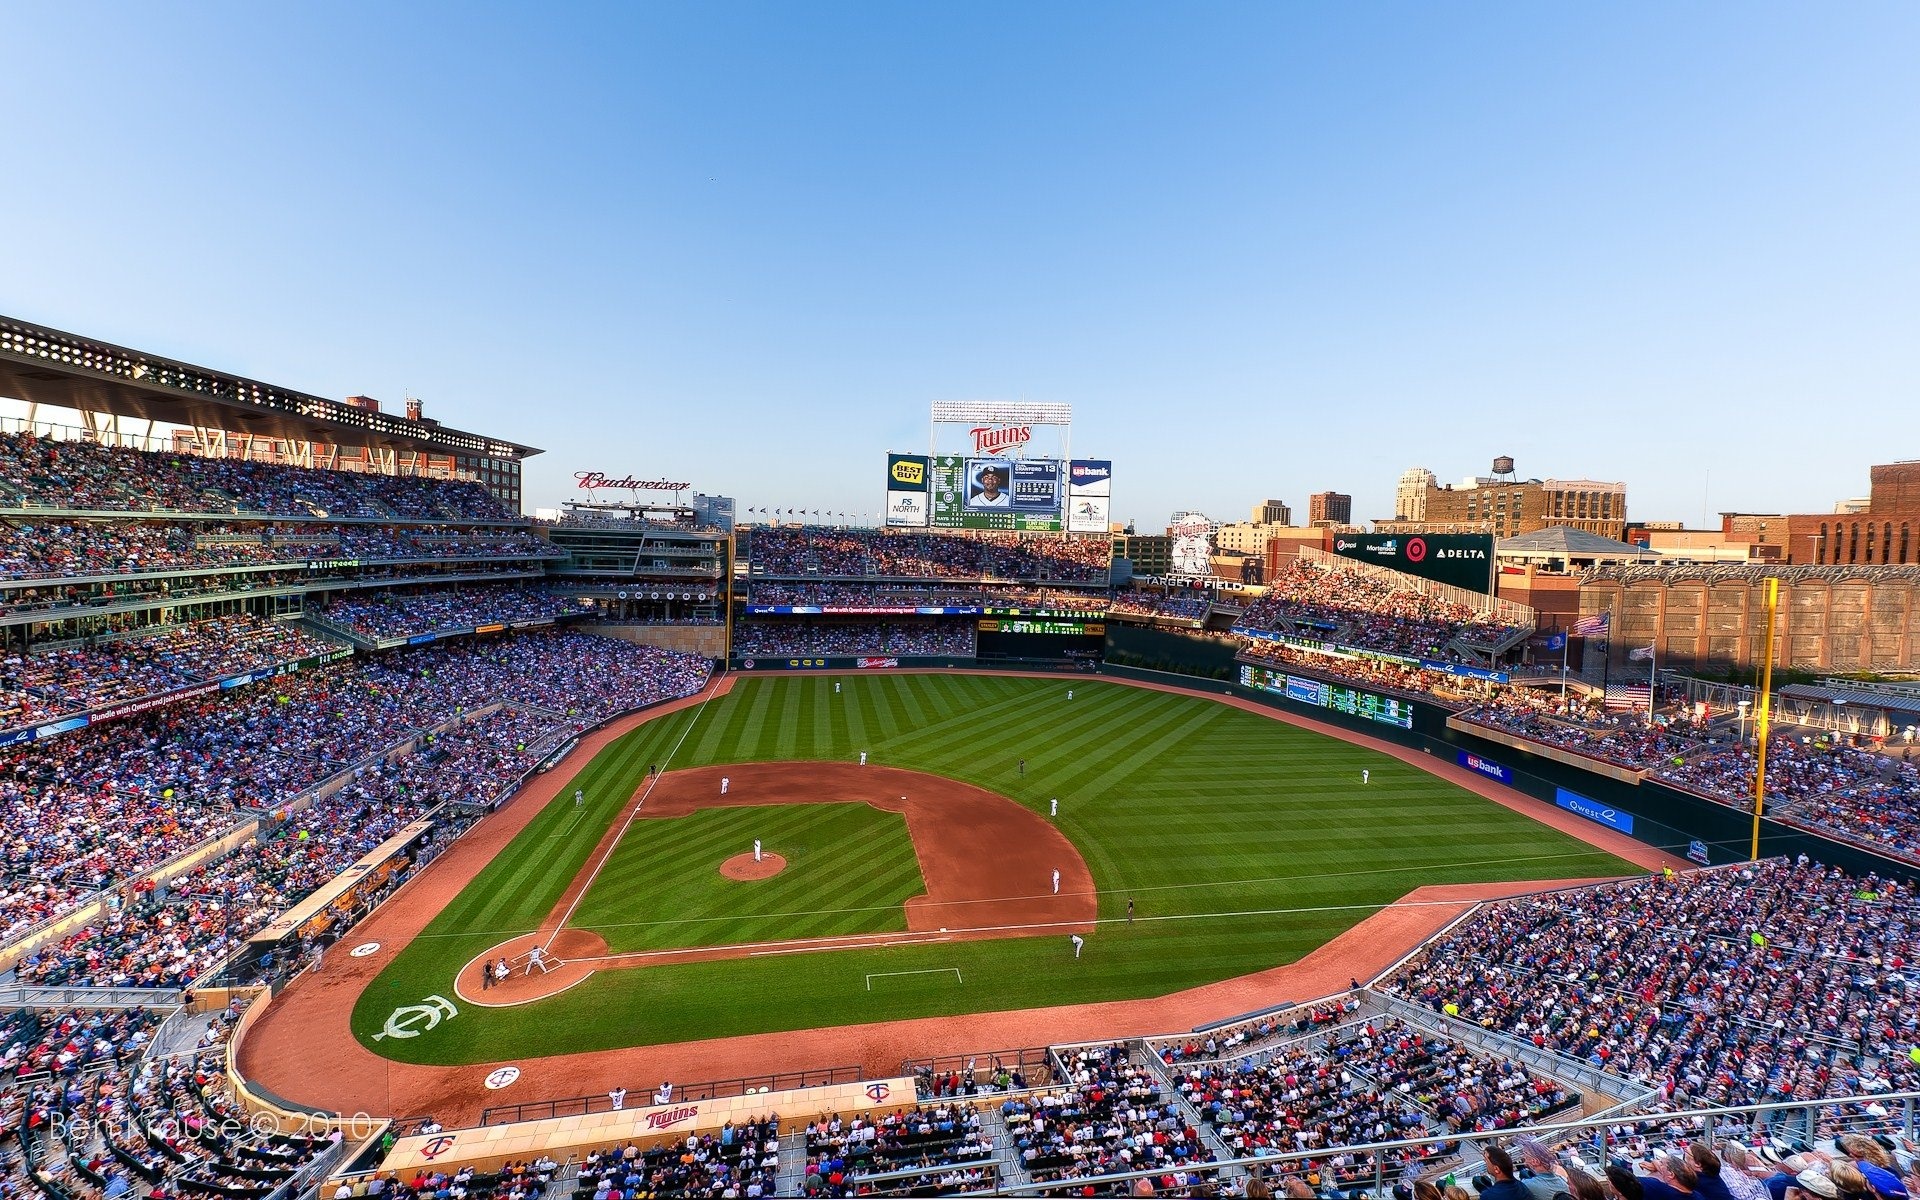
742 866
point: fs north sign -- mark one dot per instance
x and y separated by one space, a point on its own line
1464 560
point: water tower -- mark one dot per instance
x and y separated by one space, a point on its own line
1503 468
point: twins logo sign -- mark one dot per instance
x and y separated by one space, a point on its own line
438 1146
412 1020
878 1092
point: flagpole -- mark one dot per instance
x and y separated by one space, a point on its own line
1565 641
1653 672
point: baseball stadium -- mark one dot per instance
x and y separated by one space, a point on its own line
368 837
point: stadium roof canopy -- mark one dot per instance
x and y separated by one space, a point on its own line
1907 706
1562 541
45 366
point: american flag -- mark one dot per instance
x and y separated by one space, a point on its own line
1628 696
1593 626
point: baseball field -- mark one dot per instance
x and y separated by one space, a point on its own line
1241 842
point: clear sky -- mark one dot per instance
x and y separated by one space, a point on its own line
1263 249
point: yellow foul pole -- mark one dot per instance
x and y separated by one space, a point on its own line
1766 711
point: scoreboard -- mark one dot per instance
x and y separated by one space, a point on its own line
1070 628
1388 710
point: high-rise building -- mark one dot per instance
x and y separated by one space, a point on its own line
1271 512
1410 498
1329 508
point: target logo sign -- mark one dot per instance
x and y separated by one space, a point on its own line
1416 549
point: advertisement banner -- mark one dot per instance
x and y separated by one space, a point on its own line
908 484
1192 535
996 493
1464 560
873 663
1485 766
1697 852
1593 810
1089 495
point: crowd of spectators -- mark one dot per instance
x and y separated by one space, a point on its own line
739 1160
945 1141
1186 607
1623 738
1115 1115
780 637
1377 673
74 549
402 612
886 553
46 684
902 595
103 804
1774 982
1361 610
82 475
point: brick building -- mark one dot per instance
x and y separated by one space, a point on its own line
1510 507
1329 508
1713 616
1886 529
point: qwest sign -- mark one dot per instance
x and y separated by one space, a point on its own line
588 481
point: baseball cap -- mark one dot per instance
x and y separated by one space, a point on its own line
1817 1183
1884 1181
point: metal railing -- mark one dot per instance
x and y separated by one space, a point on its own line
1602 1132
90 997
746 1085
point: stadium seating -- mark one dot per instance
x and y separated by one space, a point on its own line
1358 610
37 472
908 595
112 801
784 636
403 612
1780 981
33 549
881 553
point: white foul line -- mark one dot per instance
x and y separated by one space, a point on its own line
648 791
873 975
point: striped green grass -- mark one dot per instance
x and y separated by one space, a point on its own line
1244 842
850 869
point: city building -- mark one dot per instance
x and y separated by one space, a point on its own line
1410 497
1329 508
1271 512
1883 529
1150 553
1510 507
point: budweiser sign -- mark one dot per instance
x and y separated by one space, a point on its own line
587 481
672 1116
999 439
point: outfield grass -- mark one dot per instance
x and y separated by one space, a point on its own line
850 869
1245 843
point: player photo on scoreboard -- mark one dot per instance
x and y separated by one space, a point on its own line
989 483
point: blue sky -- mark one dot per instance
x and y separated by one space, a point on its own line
1263 249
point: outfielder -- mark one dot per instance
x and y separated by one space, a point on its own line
724 781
